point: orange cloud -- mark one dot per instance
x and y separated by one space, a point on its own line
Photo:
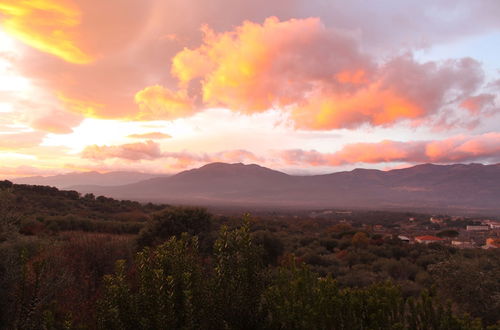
151 136
256 67
119 37
374 104
47 25
457 149
351 77
86 108
319 75
157 102
454 149
465 148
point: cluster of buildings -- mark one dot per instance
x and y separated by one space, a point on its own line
454 231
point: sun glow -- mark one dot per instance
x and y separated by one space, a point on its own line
46 25
10 79
100 132
7 43
15 155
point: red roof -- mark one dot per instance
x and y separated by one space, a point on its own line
493 242
429 238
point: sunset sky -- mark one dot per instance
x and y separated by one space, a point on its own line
304 86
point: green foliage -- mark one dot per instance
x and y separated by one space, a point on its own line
44 209
238 280
73 223
116 307
272 246
37 284
10 217
174 221
360 239
472 283
168 288
299 299
56 248
427 313
169 291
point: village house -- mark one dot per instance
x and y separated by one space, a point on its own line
404 239
491 223
436 221
477 228
427 239
462 244
492 243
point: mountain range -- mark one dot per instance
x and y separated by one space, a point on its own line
466 188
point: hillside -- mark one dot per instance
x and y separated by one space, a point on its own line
42 208
467 188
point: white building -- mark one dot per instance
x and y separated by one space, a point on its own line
478 228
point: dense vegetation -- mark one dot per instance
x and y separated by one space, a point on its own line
81 262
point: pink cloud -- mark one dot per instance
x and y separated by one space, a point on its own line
184 160
13 141
99 54
57 122
454 149
148 150
480 104
151 151
238 155
321 75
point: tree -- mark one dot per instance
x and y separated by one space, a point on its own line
472 284
272 246
173 221
448 233
169 291
10 218
360 239
238 280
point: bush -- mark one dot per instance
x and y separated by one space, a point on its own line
174 221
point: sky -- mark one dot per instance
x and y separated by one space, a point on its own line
302 86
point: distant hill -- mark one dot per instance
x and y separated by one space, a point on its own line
472 187
86 178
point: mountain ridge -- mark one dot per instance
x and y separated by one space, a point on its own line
424 186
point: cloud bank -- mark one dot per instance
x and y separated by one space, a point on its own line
456 149
319 75
451 150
